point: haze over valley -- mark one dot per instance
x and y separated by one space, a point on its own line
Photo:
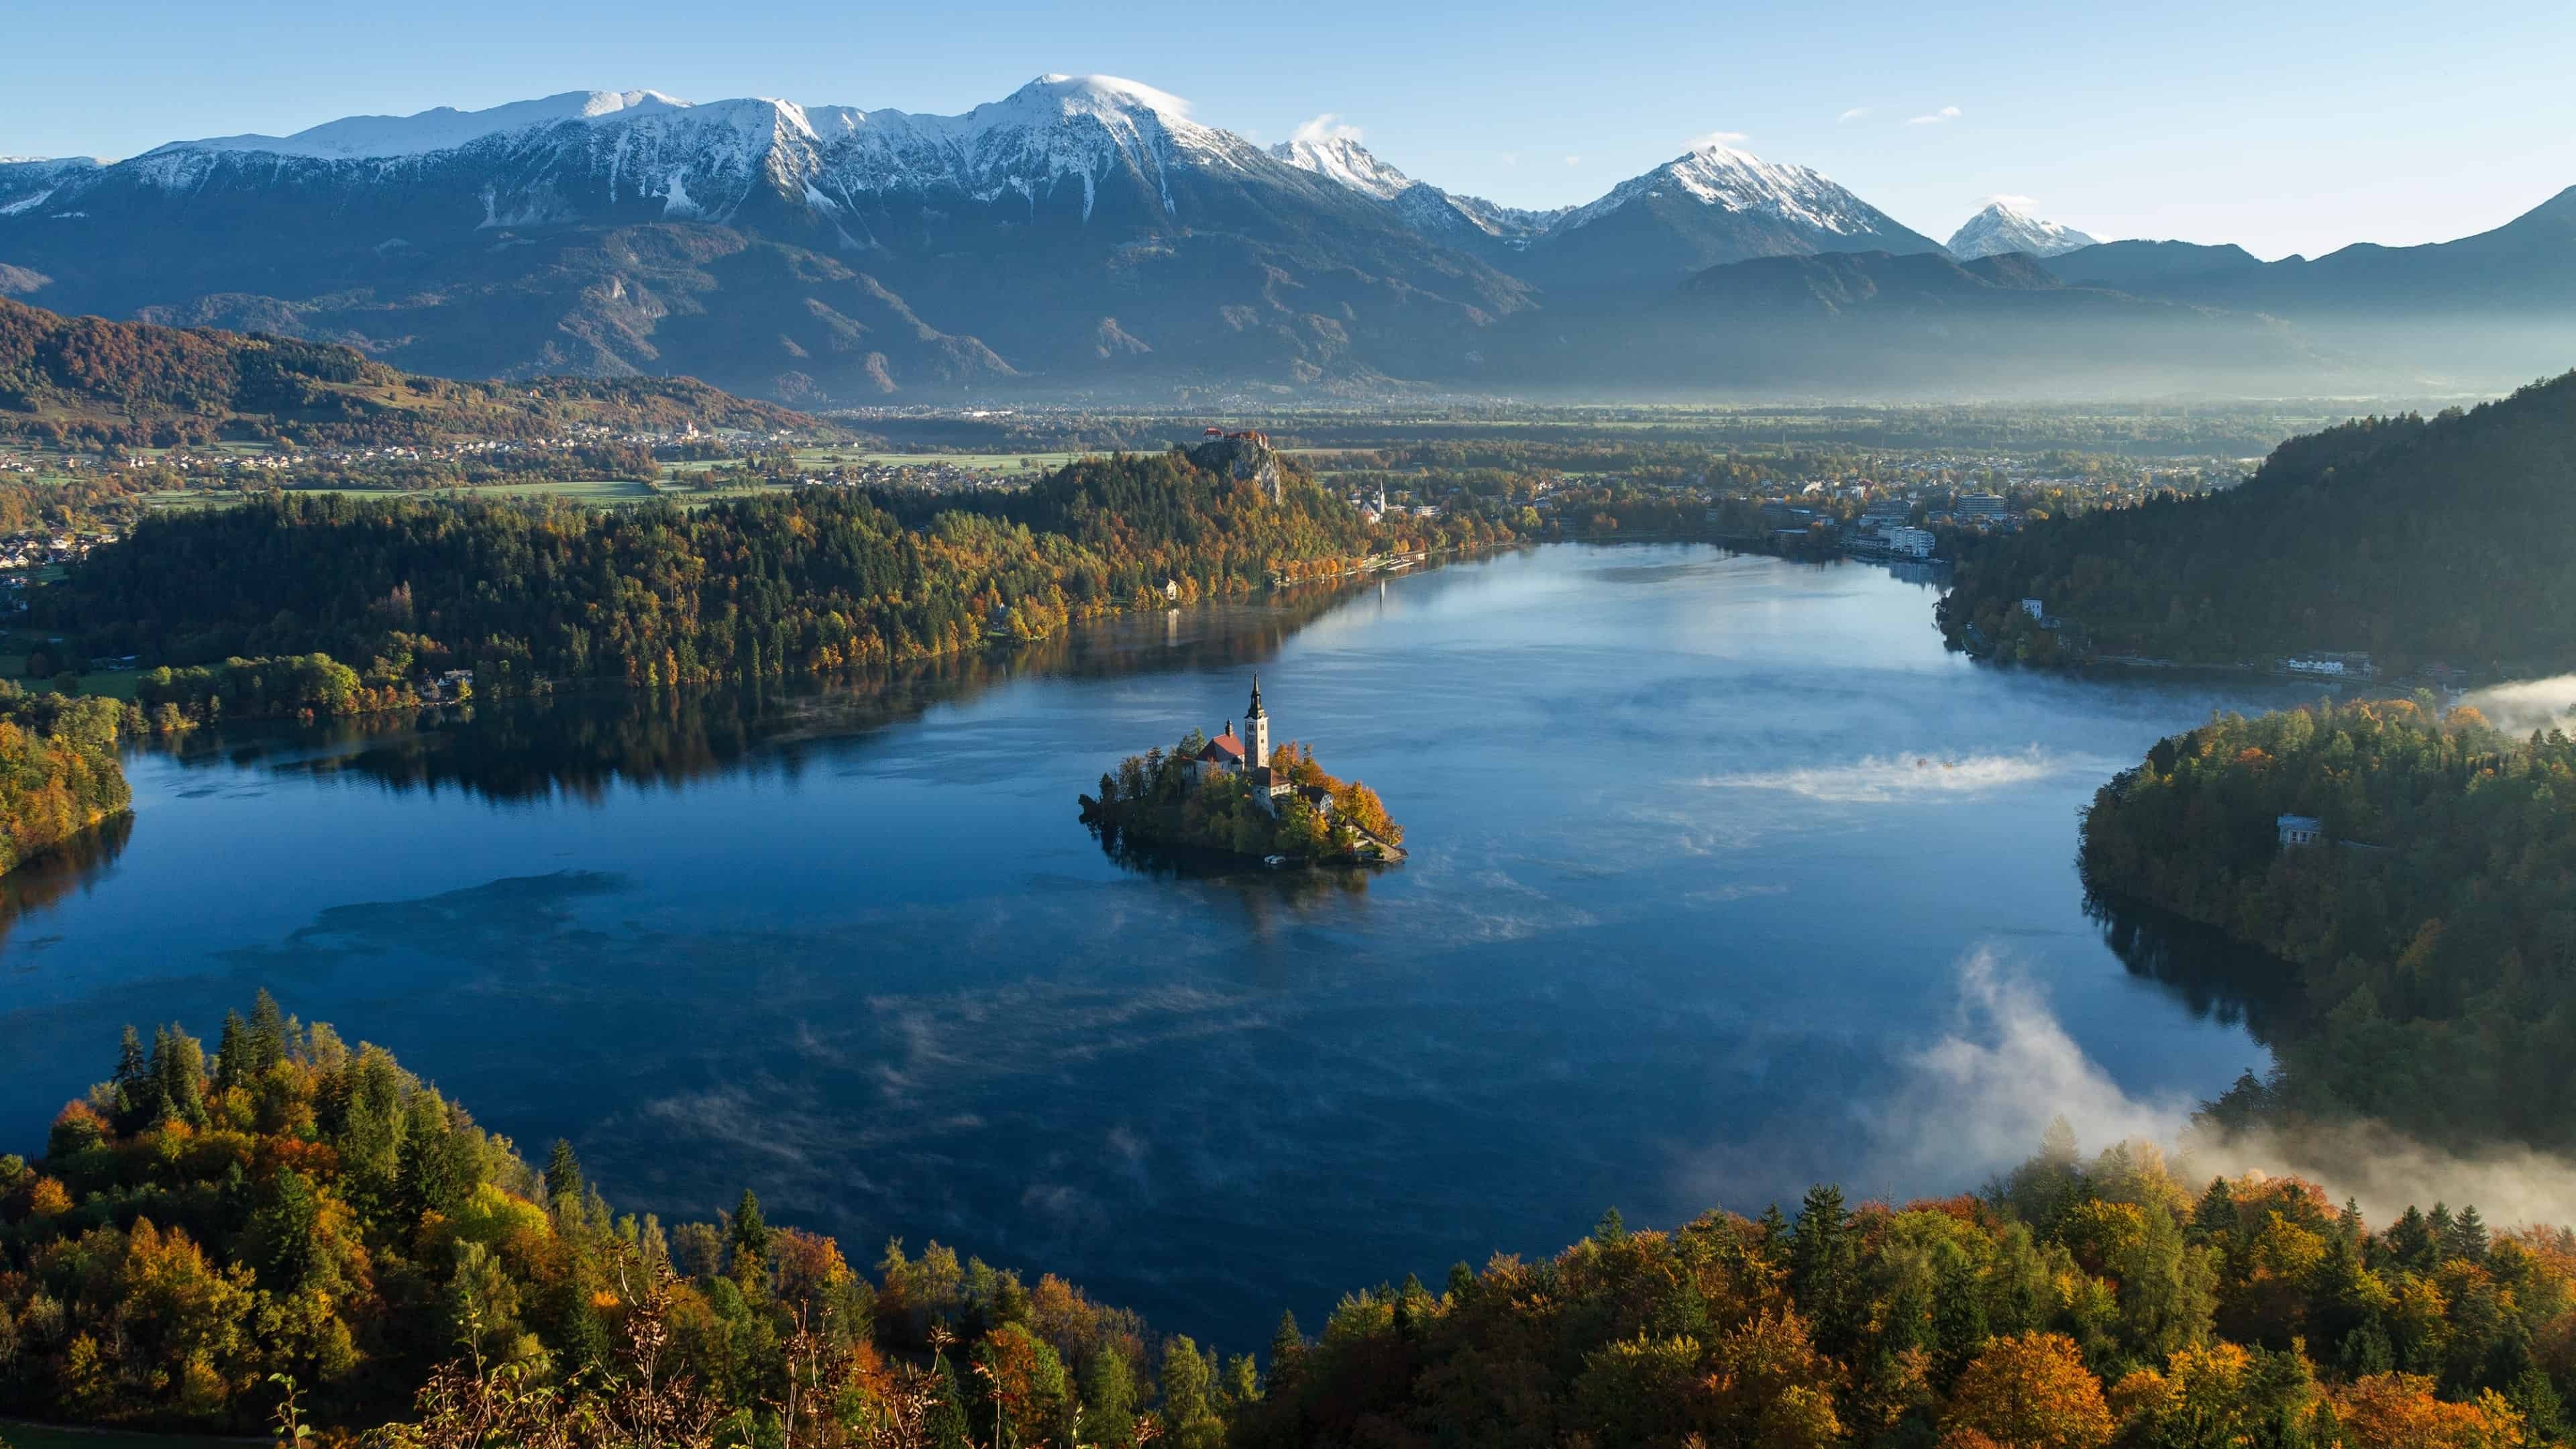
1084 238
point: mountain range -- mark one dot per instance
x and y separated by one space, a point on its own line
1085 236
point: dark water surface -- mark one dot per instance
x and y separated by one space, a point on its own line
1725 878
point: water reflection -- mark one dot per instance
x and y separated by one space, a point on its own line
34 888
2216 977
578 744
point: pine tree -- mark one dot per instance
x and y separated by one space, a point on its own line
563 1173
2540 1404
749 1238
2468 1236
1959 1326
944 1427
1287 1356
1824 1269
267 1033
2409 1242
178 1075
232 1053
2216 1213
2366 1351
1108 1400
137 1102
1773 1239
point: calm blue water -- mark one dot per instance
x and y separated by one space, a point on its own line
1725 878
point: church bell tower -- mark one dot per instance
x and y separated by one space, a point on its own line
1256 732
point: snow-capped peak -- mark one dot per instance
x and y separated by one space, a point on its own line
2007 225
1739 181
438 129
1338 156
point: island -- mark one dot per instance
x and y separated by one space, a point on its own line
1237 795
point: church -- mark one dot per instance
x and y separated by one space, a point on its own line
1248 755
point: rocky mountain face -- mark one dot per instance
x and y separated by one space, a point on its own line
2006 226
1080 228
1081 236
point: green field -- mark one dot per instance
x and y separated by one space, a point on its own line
30 1436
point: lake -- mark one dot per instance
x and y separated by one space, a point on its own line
1724 878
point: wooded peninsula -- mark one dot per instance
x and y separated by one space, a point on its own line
2413 880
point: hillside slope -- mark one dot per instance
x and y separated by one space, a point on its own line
2418 540
88 380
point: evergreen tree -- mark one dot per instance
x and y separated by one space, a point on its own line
1772 1237
1108 1400
2541 1406
232 1053
563 1173
1287 1356
178 1075
2467 1237
1824 1269
748 1237
1959 1327
2409 1241
2366 1351
135 1091
268 1041
944 1426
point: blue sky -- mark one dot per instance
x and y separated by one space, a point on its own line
2291 126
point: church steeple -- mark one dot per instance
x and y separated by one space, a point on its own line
1256 733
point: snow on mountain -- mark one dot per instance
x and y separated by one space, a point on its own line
1341 157
1737 181
1338 156
28 182
2006 225
707 160
443 128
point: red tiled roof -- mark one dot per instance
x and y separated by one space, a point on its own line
1222 747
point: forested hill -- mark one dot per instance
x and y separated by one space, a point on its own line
87 381
785 583
206 1230
2417 540
2429 938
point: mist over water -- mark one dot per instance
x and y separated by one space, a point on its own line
1725 879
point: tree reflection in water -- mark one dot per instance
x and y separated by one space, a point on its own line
34 887
578 744
2217 978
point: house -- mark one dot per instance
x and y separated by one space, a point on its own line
1910 542
2299 830
1979 505
2035 609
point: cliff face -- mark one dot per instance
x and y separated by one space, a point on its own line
1243 458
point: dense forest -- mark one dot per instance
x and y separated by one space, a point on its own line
1165 799
2415 540
2430 931
89 382
308 686
59 774
291 1230
813 581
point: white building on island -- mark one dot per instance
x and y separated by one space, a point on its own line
1248 754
